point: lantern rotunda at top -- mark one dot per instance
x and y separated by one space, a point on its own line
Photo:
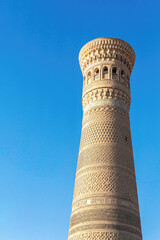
106 48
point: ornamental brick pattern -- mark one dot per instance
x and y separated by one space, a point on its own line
105 202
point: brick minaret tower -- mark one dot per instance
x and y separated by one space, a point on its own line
105 203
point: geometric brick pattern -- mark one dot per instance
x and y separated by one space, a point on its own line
104 236
105 201
101 214
109 182
106 154
106 113
105 132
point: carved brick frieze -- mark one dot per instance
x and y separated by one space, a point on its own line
106 49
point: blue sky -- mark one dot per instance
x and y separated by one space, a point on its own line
41 112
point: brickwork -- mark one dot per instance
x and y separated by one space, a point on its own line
105 202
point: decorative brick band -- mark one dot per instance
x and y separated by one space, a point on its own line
107 227
109 182
101 235
119 97
112 102
108 201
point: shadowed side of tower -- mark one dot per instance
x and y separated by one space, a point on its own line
105 202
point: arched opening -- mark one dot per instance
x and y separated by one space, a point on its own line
114 71
122 74
89 77
96 71
105 71
89 74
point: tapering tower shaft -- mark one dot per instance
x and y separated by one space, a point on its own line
105 202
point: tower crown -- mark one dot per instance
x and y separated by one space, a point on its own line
106 48
106 65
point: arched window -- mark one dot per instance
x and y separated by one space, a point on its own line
114 71
96 70
89 77
89 74
105 70
122 74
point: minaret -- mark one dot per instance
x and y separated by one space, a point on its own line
105 202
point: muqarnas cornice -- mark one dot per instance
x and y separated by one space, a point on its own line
102 49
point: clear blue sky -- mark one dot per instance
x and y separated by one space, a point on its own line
41 113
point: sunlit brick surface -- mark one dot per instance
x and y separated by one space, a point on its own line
105 202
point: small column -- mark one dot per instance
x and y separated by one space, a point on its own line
101 72
109 72
118 69
92 74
